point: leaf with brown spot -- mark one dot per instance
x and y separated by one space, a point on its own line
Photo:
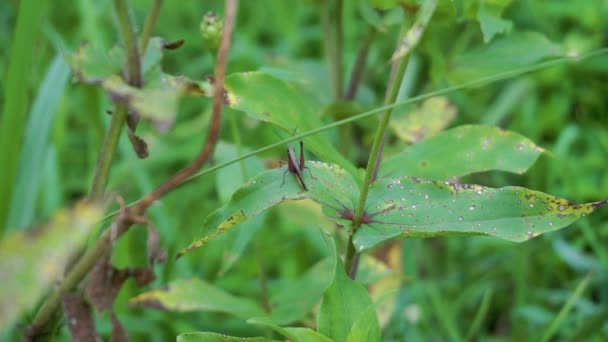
331 185
428 119
413 207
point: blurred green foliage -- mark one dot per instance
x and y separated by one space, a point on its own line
452 288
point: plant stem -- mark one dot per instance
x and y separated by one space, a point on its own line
127 32
46 316
393 91
108 149
216 120
333 44
133 77
339 38
373 163
150 23
359 66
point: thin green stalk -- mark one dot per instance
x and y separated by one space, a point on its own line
149 26
108 150
127 33
563 313
376 147
359 66
119 117
337 58
332 42
349 258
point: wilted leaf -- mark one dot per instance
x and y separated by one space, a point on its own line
412 207
156 101
104 284
269 99
433 116
79 318
345 311
92 66
32 261
464 150
198 295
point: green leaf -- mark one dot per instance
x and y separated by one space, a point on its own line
464 150
406 206
24 51
198 295
212 337
293 334
31 261
491 23
296 298
413 207
430 118
513 51
269 99
345 313
366 327
331 186
36 144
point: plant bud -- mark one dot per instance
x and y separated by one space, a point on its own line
211 31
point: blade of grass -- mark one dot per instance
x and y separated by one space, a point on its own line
444 314
563 313
481 314
40 123
13 118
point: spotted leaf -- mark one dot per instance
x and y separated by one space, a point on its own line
413 207
327 184
464 150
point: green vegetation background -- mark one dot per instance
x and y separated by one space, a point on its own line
563 109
